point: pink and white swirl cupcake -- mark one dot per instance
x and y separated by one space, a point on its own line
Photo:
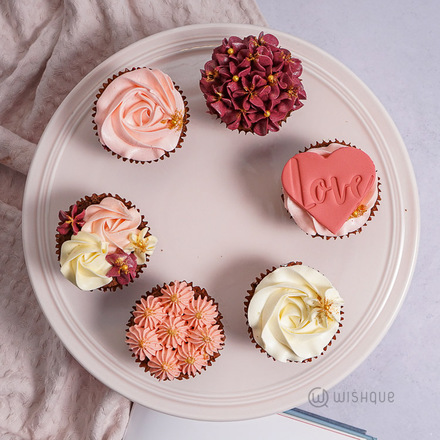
103 242
140 115
331 190
175 331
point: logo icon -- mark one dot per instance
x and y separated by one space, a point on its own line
318 397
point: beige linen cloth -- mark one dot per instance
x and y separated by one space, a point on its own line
46 48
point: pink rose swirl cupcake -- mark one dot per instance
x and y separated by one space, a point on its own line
140 115
175 331
252 84
103 242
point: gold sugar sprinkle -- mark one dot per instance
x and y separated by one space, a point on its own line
176 121
359 211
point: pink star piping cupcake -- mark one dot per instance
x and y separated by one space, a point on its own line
103 242
140 115
175 331
252 84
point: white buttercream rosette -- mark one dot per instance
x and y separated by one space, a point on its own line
293 313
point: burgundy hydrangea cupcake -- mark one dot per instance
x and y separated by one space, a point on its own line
252 84
103 242
175 331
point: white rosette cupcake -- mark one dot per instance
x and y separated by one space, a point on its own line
293 313
140 115
103 242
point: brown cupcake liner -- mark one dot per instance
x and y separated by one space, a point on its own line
125 159
373 210
95 199
247 301
198 292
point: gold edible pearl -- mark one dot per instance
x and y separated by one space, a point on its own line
235 78
124 268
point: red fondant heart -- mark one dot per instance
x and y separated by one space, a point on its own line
329 187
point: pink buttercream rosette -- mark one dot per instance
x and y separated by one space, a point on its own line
140 115
119 224
175 331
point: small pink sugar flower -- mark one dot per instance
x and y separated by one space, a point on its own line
200 311
164 365
207 338
123 266
176 296
143 342
190 359
149 312
172 332
71 221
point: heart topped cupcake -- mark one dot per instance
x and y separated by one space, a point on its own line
331 189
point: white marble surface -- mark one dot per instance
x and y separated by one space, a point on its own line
393 46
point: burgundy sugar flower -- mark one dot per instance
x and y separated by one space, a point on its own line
71 221
123 266
252 84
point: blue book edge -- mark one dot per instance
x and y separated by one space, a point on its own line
329 423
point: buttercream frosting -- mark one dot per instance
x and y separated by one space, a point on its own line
190 360
149 312
200 311
176 296
187 325
365 188
163 364
139 115
113 222
172 332
252 84
294 313
121 231
83 261
207 338
142 341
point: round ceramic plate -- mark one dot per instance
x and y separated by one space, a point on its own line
215 206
